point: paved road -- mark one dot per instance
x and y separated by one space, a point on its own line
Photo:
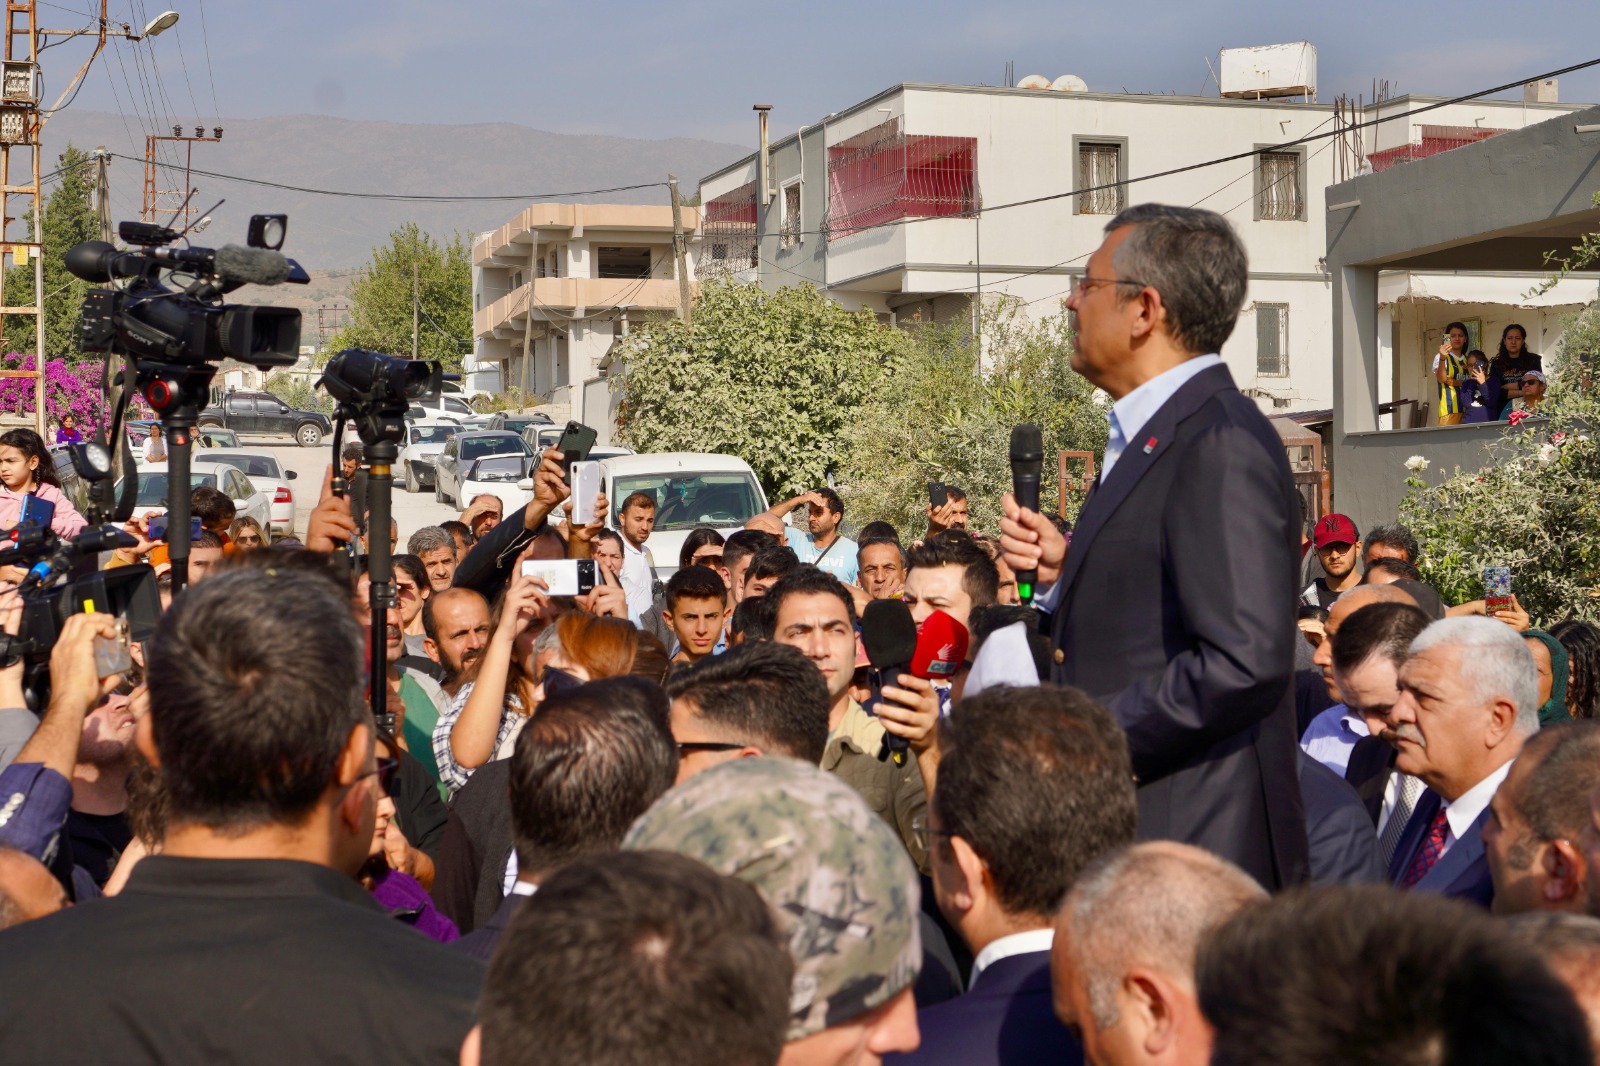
411 510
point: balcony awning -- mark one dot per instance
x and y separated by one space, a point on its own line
1399 285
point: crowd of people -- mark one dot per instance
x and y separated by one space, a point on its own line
1475 388
1237 787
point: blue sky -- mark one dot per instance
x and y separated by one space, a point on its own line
693 68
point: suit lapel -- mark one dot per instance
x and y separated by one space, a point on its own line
1153 440
1466 850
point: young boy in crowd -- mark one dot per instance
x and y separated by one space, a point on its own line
696 610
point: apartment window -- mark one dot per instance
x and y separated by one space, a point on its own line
1280 193
617 262
1100 164
1272 340
791 215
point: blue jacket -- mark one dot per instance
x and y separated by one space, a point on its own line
1006 1018
1463 871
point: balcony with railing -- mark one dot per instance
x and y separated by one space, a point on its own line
883 175
1435 139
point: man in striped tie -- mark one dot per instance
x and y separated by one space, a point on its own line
1468 699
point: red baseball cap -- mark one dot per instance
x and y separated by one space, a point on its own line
1335 529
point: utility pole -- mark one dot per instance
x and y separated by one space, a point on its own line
179 200
416 311
102 192
680 249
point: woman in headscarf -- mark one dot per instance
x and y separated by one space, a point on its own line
1550 658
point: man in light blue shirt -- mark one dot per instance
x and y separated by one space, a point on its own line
821 546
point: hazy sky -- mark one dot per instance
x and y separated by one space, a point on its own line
693 67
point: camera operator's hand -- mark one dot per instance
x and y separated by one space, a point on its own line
11 694
549 490
330 526
580 542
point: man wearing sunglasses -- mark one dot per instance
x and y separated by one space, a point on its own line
265 746
754 699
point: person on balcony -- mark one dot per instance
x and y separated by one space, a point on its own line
1511 362
1480 392
1450 370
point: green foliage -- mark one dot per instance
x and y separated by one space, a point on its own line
939 418
511 400
1534 507
299 392
69 218
381 304
776 378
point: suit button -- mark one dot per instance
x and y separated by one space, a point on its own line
1061 656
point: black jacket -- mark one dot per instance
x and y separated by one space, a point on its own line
232 960
1176 608
470 869
486 568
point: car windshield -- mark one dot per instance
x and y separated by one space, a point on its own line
433 434
250 465
517 425
478 447
498 468
153 486
686 499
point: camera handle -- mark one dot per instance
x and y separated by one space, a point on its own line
177 392
379 456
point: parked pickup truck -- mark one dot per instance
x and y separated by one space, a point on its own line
263 414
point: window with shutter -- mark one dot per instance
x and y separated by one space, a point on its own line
1279 199
1098 165
1272 340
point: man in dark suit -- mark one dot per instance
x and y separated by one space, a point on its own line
591 761
1176 603
1469 696
1033 784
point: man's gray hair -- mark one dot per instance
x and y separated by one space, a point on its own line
1148 904
1494 662
430 539
1195 260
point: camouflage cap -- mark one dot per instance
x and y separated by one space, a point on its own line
836 875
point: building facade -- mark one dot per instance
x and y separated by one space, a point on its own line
877 205
556 286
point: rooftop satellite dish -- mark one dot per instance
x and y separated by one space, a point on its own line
1070 83
1034 81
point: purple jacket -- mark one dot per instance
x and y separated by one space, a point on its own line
404 898
1488 393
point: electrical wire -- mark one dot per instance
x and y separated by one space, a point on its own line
205 40
419 197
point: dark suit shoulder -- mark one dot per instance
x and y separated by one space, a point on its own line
1006 1018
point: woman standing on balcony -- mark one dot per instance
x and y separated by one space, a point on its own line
1450 370
1511 362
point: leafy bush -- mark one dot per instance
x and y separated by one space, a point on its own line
300 392
1534 508
939 417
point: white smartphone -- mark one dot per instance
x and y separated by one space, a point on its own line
563 577
585 487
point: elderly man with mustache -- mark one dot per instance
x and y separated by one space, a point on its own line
1469 697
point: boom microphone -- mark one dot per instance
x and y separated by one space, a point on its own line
941 648
889 636
251 266
100 262
1027 459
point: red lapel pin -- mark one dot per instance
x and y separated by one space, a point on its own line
1149 445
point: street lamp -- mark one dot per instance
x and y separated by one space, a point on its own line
160 24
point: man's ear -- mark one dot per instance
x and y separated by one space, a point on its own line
1566 875
973 873
1149 999
1502 720
432 649
1152 314
666 616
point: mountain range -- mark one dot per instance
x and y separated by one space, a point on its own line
335 233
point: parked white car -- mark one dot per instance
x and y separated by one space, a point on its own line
497 475
690 489
424 442
247 499
267 475
452 407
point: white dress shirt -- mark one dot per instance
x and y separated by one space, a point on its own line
637 578
1332 735
1462 811
1013 944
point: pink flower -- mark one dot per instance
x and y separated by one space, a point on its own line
1558 438
1517 416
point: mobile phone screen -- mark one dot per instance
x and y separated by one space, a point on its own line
1497 588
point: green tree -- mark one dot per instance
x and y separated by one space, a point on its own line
381 304
69 218
946 414
776 378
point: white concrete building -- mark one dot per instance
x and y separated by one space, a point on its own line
555 287
875 204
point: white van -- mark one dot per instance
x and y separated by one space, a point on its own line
690 489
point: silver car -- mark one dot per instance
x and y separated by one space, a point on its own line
424 442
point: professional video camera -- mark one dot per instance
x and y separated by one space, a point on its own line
169 324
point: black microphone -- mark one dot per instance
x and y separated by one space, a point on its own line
889 635
98 261
1027 459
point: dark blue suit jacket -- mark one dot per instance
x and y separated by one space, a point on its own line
1005 1018
481 942
1463 872
1344 844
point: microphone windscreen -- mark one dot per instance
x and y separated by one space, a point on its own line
888 633
1027 444
251 266
941 647
91 260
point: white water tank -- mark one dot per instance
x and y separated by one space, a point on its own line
1270 70
1070 83
1034 81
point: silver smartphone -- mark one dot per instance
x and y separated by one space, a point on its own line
585 487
